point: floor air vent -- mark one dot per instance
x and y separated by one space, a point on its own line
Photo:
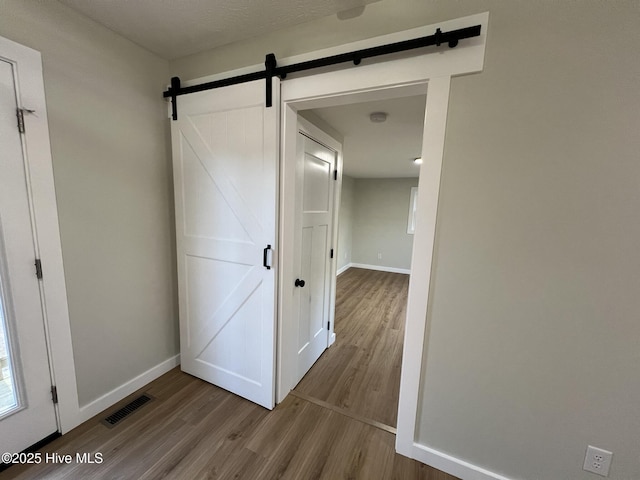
116 417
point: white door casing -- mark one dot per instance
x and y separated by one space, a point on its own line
225 152
34 416
314 216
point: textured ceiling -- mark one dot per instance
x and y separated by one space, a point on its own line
379 150
176 28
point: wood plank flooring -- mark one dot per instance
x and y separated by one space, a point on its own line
360 372
193 430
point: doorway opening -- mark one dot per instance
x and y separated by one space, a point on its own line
359 374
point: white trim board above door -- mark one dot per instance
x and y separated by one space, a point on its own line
458 61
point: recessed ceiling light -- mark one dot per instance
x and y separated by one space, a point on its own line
378 117
417 161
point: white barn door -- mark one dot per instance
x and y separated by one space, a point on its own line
225 157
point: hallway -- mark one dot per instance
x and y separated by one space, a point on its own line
360 373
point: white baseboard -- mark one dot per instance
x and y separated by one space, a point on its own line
344 269
110 398
380 268
452 465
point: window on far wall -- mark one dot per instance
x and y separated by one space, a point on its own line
413 203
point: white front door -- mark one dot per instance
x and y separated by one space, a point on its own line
314 215
27 413
225 154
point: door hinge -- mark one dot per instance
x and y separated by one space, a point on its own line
20 115
329 325
54 393
335 174
38 265
331 254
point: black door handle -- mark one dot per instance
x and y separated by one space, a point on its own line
265 253
299 283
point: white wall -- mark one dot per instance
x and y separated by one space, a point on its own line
345 223
380 214
373 219
533 338
112 176
533 349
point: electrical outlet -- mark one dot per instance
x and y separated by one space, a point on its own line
597 461
379 256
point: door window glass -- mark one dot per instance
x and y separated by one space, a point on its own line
8 396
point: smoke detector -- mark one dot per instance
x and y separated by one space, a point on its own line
378 117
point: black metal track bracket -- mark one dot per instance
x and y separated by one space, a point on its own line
174 92
271 70
270 64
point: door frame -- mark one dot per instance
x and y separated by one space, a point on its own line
384 79
286 349
42 199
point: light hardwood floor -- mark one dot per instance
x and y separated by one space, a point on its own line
193 430
360 372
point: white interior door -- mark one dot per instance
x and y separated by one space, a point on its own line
225 152
314 198
27 413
